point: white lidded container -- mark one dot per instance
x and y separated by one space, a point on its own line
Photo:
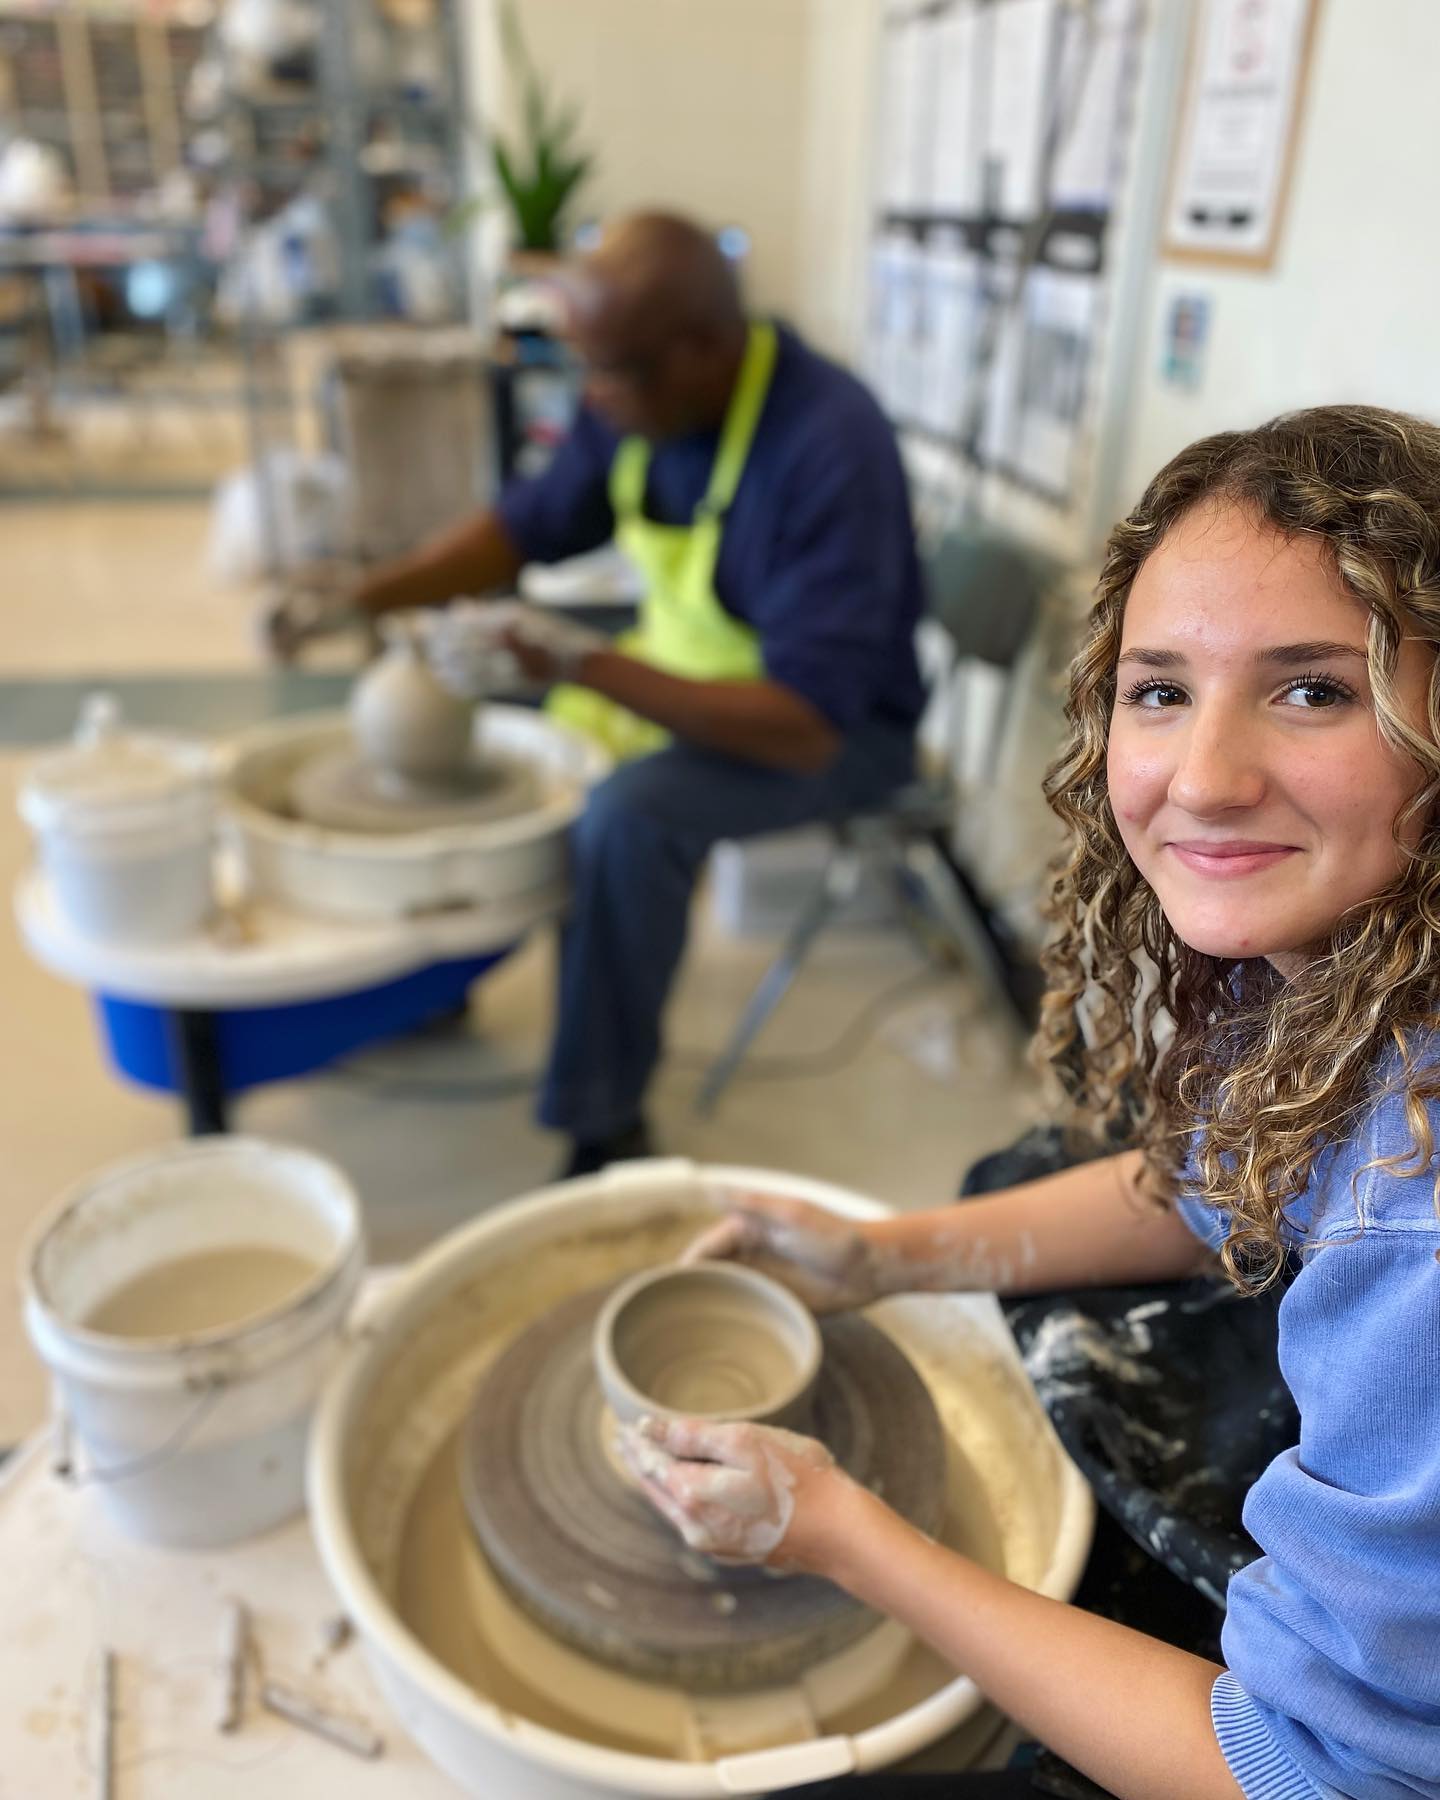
125 823
195 1440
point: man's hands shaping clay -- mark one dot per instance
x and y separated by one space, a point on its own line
478 647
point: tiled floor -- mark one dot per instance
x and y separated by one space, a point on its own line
94 590
116 586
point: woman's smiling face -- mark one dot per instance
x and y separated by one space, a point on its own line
1246 769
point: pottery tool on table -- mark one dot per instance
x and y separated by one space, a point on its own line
234 1646
105 1728
346 1734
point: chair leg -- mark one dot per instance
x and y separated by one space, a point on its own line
916 914
836 886
957 910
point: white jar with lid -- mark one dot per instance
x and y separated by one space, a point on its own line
125 824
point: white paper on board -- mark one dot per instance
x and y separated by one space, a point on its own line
894 356
906 105
1094 62
954 185
1019 103
874 347
1004 321
950 282
1060 313
879 351
909 328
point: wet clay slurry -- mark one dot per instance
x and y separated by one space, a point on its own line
405 1500
205 1291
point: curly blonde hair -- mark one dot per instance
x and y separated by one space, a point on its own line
1269 1070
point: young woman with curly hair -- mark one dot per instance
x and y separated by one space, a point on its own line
1244 986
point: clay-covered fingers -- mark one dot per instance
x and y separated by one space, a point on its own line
465 647
728 1489
727 1442
472 645
726 1241
287 625
678 1490
319 599
821 1257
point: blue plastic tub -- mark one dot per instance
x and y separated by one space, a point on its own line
271 1043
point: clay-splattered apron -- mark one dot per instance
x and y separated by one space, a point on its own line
1169 1398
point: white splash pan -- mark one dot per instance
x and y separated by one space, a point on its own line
349 875
404 1387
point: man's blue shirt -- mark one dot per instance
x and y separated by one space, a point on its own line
817 552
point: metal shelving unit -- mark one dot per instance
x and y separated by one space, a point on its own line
357 143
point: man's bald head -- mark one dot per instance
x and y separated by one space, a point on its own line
657 317
661 273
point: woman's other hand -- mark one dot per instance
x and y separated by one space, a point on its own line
740 1492
824 1259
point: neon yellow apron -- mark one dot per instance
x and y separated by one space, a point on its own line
683 628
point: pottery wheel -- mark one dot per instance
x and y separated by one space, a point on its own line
586 1555
344 792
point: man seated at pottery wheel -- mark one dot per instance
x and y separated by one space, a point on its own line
772 678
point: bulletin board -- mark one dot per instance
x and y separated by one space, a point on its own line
1003 130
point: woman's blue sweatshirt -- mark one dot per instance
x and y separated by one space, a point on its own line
1332 1638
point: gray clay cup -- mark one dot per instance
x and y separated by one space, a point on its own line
711 1341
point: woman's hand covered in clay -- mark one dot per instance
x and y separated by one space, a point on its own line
820 1257
739 1492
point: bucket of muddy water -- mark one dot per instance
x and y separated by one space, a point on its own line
189 1305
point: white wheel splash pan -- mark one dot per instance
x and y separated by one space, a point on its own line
407 1383
349 875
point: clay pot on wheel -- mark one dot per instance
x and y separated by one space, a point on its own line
715 1341
406 724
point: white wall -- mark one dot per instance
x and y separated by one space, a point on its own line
835 176
1350 309
694 105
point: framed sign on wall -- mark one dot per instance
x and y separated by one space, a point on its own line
1239 124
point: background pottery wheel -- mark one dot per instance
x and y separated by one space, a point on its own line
586 1555
342 791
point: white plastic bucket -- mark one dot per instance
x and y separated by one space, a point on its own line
199 1440
125 822
134 888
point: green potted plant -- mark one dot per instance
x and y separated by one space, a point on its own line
540 170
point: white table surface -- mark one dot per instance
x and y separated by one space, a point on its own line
73 1587
267 955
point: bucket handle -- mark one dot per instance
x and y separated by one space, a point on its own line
64 1464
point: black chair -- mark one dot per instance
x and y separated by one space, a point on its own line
986 593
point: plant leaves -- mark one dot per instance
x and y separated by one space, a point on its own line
540 173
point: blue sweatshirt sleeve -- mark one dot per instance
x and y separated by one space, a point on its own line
1332 1637
843 581
565 510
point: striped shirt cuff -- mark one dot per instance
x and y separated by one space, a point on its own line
1261 1767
